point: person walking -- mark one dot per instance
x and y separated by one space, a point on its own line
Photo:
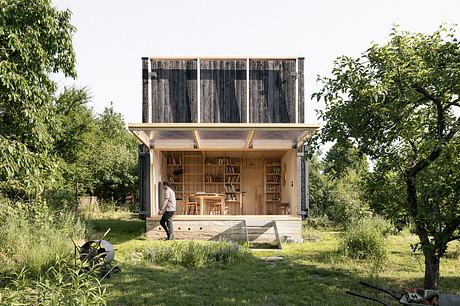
168 210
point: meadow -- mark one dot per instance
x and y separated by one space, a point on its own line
310 273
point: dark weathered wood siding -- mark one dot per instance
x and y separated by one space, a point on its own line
272 91
174 92
223 87
223 91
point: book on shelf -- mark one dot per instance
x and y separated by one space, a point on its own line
173 161
232 197
233 179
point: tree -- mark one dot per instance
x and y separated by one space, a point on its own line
35 40
99 155
336 189
398 103
115 159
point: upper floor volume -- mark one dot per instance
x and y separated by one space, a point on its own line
223 90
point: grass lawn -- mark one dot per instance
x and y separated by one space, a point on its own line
307 274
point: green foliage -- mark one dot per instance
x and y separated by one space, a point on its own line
386 194
398 104
343 157
61 284
192 254
35 40
99 153
31 236
23 172
337 197
365 240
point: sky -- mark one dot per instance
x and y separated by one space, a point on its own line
112 36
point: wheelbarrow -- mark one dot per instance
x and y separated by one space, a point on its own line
416 297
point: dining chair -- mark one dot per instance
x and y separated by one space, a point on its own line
190 204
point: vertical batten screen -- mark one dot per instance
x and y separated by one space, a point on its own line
198 88
223 91
145 89
174 91
272 91
149 92
234 90
297 91
247 91
301 89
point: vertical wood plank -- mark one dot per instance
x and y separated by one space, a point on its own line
145 76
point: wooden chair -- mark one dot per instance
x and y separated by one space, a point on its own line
190 204
216 208
283 208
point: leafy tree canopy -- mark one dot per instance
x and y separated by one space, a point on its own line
35 40
399 104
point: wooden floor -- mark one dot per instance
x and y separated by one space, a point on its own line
257 228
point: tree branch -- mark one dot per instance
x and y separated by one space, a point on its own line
414 148
437 150
439 109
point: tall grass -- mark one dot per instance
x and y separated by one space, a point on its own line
32 235
192 253
61 284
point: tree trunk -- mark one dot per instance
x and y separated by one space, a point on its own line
431 270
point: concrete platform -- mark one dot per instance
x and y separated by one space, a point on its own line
253 228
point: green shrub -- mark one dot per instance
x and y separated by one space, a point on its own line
318 222
453 252
61 284
192 253
365 240
31 235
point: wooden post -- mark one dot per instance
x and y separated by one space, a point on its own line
145 89
247 90
153 185
301 89
198 89
149 92
298 184
297 90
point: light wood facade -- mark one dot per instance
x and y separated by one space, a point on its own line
253 183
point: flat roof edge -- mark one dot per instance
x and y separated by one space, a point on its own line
179 58
217 126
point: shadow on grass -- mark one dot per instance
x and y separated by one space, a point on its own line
120 230
252 282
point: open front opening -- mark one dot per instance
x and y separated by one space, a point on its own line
230 183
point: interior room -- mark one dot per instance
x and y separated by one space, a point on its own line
231 183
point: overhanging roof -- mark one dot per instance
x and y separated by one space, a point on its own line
223 136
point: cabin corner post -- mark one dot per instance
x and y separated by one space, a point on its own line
301 88
153 185
301 182
145 90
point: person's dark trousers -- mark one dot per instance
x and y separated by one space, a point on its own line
167 224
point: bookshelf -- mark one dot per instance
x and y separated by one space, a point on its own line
174 173
272 185
214 175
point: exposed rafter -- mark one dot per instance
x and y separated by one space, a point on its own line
196 138
250 139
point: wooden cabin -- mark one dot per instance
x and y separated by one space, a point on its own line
228 133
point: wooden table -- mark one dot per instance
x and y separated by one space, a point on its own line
211 197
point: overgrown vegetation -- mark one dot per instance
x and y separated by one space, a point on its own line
366 240
336 186
61 284
309 273
32 236
192 253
